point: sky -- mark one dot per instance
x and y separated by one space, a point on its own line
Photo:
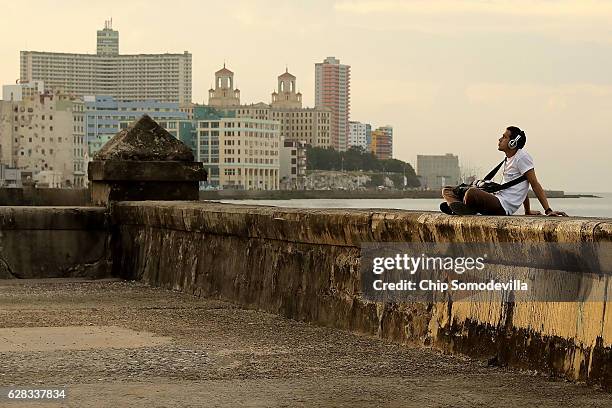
448 75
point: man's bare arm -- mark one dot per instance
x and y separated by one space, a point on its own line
528 209
539 192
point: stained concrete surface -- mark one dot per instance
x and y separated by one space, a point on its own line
28 339
222 355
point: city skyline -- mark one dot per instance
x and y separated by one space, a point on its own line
449 76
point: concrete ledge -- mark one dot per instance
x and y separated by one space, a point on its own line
146 171
350 227
53 242
304 264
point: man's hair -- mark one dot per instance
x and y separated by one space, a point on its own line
514 132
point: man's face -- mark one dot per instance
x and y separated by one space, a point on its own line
502 144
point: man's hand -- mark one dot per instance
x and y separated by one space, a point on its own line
556 214
533 212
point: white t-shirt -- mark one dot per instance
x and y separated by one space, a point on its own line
512 198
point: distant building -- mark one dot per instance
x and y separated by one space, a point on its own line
437 171
44 135
161 77
240 153
358 134
382 142
368 137
333 90
10 177
103 115
292 165
19 91
308 125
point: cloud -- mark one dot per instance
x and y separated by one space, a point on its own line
585 8
553 97
568 20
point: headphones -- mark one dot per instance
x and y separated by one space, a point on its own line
513 143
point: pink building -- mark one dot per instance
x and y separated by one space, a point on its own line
333 90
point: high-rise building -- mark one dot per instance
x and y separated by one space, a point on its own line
104 115
333 90
385 148
107 40
437 171
358 134
381 142
44 137
161 77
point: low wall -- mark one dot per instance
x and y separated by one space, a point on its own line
53 242
304 264
44 196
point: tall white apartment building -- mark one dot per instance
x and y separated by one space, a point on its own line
333 90
160 77
44 137
358 134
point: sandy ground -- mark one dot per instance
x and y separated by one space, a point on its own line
129 345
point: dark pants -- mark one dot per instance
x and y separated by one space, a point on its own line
480 201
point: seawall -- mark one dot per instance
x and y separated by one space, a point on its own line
304 264
30 196
53 242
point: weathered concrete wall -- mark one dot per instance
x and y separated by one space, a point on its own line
53 242
44 196
304 264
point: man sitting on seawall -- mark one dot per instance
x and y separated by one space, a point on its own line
506 201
